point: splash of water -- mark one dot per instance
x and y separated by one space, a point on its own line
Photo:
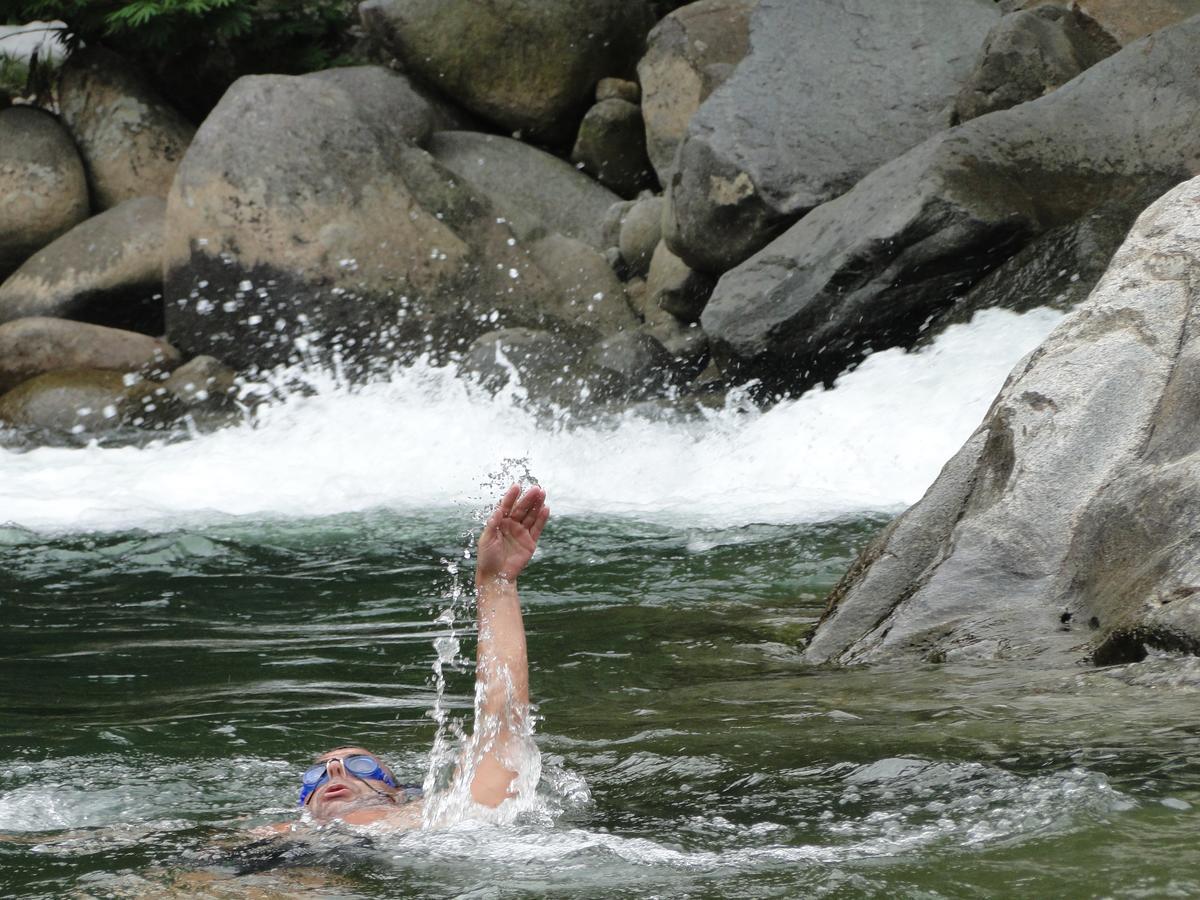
419 440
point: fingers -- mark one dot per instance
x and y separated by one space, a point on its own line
535 530
505 508
530 502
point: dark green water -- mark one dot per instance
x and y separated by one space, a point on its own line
160 693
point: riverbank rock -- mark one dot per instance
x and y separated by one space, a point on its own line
640 232
35 346
83 404
535 192
106 270
385 100
295 228
611 145
1065 526
131 140
1125 21
1030 53
546 368
588 296
526 65
675 288
829 91
688 55
42 182
869 269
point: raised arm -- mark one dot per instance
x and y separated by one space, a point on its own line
502 667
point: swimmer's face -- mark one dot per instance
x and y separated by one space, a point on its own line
345 791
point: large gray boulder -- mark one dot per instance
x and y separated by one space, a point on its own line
384 100
527 65
868 269
830 90
130 138
106 270
42 182
1065 528
1030 53
35 346
296 228
688 55
536 192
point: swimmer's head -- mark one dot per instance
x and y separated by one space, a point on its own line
342 779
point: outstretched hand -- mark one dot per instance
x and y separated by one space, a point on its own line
511 534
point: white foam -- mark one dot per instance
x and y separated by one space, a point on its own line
422 440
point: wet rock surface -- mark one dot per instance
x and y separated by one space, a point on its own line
42 182
37 345
294 226
130 139
867 270
816 104
106 270
1065 528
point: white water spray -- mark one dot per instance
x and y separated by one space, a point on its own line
421 439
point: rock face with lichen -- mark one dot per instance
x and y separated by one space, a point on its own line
131 140
1065 528
526 65
42 183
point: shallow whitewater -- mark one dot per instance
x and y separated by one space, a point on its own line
424 439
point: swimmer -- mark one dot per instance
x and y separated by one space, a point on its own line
353 785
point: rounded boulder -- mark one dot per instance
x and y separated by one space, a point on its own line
526 65
106 270
42 182
130 138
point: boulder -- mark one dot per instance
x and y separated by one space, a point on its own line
1065 528
633 366
868 269
675 288
527 65
641 232
688 55
85 404
828 92
547 367
207 394
611 145
42 182
536 192
1059 267
618 89
34 346
106 270
588 295
294 229
130 139
384 100
1030 53
1125 21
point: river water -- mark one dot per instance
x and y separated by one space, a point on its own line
186 624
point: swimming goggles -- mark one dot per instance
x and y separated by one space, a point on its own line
364 767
